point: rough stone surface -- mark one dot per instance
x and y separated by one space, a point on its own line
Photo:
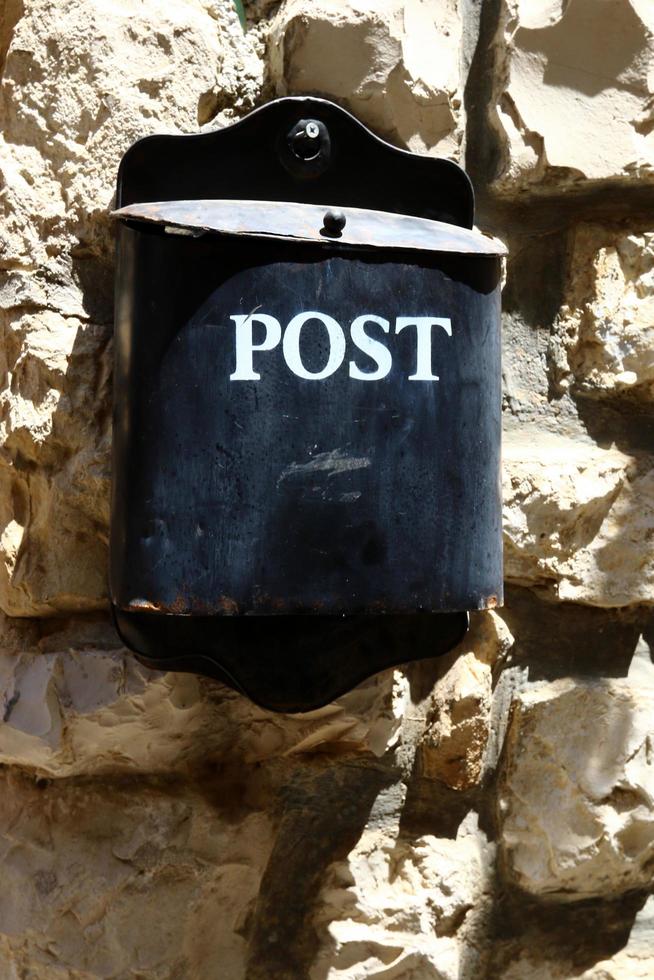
603 341
455 742
573 93
79 84
634 962
577 520
399 910
394 63
75 703
577 790
108 882
485 816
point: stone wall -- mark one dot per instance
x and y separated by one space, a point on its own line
488 815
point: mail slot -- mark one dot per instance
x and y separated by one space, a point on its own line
307 405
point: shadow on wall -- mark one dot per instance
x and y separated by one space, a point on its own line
324 815
574 818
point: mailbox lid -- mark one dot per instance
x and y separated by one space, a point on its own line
291 221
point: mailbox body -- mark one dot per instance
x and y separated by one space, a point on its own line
334 473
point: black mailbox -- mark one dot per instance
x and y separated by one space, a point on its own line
307 405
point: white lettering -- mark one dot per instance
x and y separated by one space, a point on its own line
373 348
423 325
244 370
376 350
291 345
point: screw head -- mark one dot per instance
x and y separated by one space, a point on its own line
305 139
306 149
334 222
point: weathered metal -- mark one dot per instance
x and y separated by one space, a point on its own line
307 410
289 221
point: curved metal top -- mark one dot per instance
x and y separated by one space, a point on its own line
290 221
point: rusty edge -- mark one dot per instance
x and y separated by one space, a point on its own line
226 606
284 221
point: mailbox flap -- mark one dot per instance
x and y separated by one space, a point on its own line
289 221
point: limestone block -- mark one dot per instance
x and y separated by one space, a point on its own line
573 99
395 64
577 790
83 81
603 340
79 83
73 702
458 723
402 909
577 519
54 466
126 880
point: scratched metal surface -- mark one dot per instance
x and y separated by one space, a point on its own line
287 495
304 222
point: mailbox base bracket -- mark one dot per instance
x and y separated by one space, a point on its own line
288 663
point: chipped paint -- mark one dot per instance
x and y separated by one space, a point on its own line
332 464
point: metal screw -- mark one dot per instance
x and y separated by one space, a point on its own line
334 223
305 137
307 142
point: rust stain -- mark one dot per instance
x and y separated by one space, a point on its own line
184 605
227 606
143 605
178 605
265 601
273 605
